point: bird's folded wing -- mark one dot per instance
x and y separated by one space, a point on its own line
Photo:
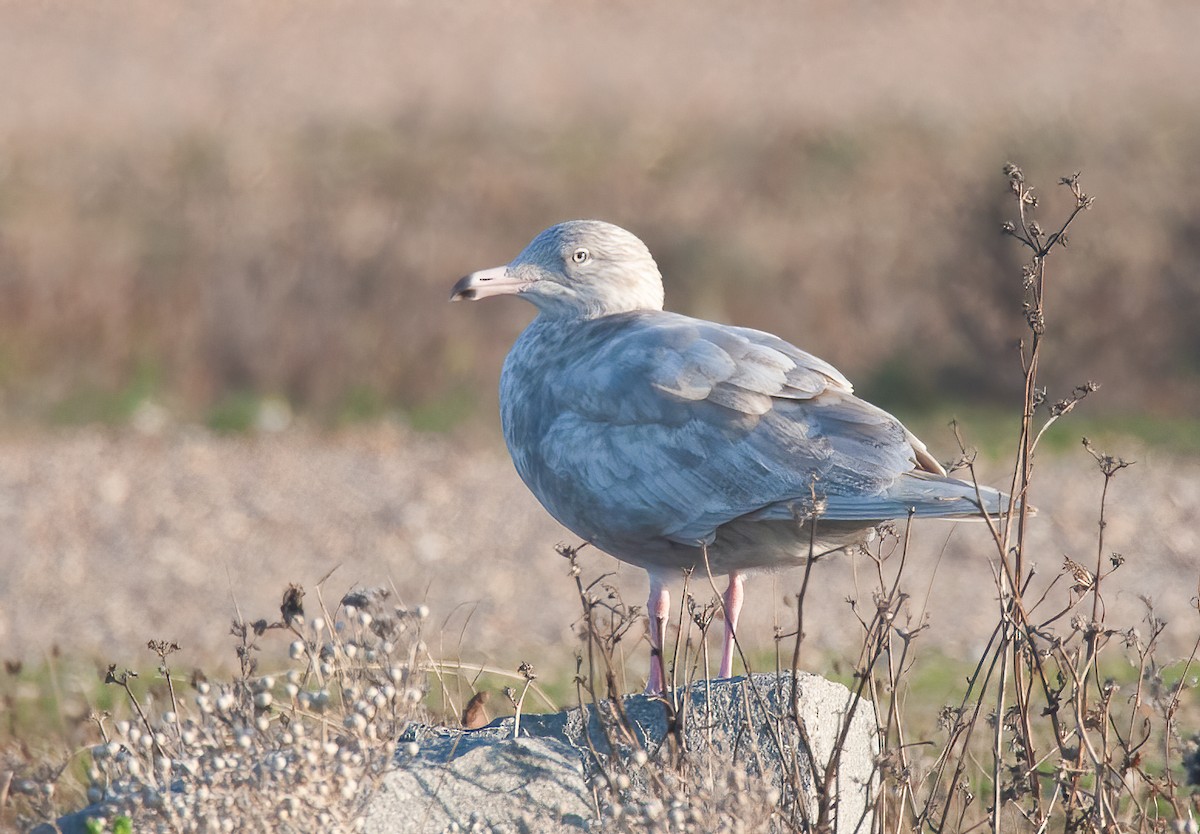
672 426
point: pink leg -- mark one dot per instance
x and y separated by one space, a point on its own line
734 595
658 608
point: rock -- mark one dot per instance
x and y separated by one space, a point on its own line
75 823
551 777
484 780
527 785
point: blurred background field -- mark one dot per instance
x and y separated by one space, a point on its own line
205 204
228 233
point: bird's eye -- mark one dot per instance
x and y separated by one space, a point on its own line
580 255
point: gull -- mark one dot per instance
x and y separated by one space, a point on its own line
679 444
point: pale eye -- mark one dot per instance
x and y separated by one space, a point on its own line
580 256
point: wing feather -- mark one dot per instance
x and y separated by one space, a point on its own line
654 424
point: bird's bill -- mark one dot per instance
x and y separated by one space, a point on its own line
487 282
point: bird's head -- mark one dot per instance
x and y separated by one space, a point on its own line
577 269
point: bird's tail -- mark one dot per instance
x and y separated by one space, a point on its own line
922 495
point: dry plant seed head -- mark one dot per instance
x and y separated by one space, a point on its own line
1082 579
1036 320
292 606
1108 464
231 760
162 647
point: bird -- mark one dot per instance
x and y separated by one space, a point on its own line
674 443
474 714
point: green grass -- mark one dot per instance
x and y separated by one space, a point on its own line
362 404
445 412
92 404
53 697
120 825
235 414
993 431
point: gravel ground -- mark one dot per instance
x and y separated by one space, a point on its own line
113 538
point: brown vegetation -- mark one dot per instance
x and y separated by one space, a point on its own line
196 205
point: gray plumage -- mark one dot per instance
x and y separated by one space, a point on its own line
651 434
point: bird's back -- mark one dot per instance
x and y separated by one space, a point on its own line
651 433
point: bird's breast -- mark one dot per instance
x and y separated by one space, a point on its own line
529 400
537 386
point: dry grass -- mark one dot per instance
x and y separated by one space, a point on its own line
299 748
